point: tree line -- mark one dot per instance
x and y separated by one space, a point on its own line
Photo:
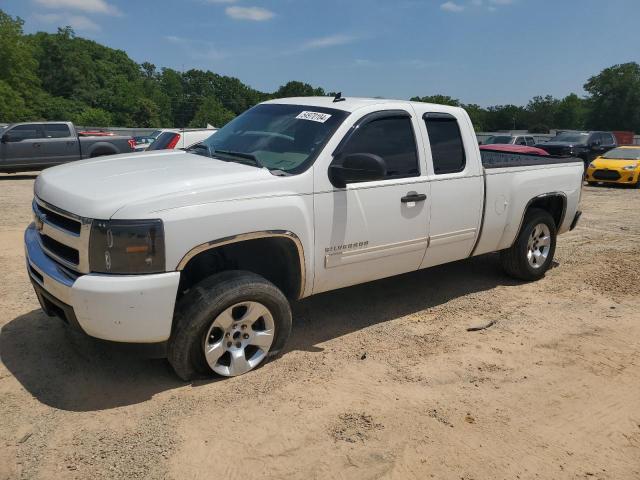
61 76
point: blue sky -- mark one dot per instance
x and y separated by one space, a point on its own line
481 51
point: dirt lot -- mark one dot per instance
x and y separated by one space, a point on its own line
380 380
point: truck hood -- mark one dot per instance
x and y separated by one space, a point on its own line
98 188
561 144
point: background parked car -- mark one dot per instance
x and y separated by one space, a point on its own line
620 165
527 140
584 145
38 145
515 149
180 138
143 142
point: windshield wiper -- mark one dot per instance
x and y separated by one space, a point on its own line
241 155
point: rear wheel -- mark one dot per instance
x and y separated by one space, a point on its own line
531 255
228 324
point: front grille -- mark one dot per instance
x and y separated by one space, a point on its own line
60 250
556 150
64 236
606 175
64 223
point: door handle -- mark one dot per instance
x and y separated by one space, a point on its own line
36 145
413 197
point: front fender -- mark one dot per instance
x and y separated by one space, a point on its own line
191 230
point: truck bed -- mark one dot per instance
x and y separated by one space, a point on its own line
496 159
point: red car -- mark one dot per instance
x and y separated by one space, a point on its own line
515 149
96 133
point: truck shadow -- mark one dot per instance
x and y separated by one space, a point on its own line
70 371
18 177
333 314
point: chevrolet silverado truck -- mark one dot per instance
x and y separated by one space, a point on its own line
203 250
38 145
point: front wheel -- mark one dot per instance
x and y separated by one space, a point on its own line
228 324
531 255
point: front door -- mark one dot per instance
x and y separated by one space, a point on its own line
23 147
373 229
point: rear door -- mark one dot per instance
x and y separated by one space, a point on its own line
23 148
457 185
58 144
373 229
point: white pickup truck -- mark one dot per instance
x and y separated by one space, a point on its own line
204 249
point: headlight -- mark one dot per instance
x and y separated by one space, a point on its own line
630 167
127 246
591 165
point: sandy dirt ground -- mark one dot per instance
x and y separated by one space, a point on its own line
379 381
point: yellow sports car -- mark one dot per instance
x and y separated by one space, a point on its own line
620 165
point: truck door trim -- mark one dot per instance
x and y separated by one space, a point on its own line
339 259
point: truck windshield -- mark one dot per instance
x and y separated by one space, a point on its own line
623 154
571 138
498 139
280 137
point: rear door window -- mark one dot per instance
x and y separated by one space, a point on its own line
56 130
447 148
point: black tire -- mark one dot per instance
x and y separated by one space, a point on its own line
197 309
101 153
514 260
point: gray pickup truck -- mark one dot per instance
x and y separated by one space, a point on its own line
38 145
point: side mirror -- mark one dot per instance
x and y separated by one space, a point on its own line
596 143
5 138
357 167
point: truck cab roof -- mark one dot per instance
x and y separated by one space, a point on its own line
349 104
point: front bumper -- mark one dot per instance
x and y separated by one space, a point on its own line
609 175
119 308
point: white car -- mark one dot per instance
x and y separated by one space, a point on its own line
205 249
526 140
168 139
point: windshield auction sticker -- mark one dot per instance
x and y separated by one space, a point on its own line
314 116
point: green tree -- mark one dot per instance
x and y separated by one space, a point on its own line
93 117
438 99
541 112
298 89
506 117
211 112
478 116
18 71
12 105
571 113
615 98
